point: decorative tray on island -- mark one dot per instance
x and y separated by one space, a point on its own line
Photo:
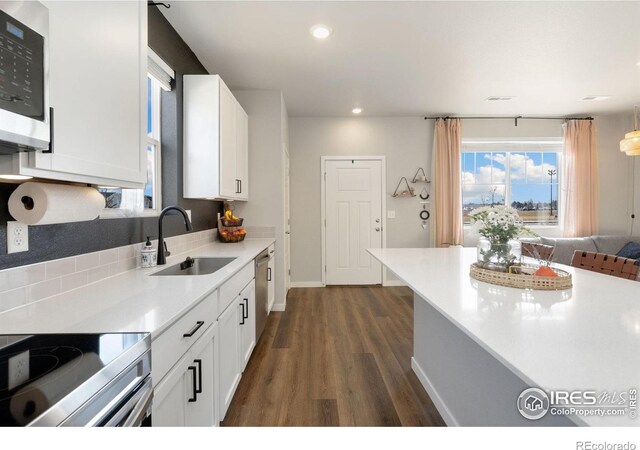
523 277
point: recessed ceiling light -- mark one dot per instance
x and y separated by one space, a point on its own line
500 98
638 64
596 98
356 110
320 31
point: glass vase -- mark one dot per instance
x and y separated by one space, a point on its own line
498 256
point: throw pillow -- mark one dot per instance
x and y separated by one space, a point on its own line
631 250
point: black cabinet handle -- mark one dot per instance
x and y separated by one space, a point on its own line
246 300
198 390
268 273
240 187
195 329
243 317
195 389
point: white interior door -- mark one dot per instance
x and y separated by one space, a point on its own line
353 212
287 221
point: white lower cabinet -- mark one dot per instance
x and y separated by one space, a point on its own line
229 368
187 394
247 324
198 388
271 278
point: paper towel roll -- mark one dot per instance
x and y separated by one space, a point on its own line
44 203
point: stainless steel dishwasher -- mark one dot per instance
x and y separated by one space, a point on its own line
262 291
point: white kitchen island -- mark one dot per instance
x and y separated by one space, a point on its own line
477 346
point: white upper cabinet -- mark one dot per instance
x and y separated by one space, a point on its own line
216 136
242 154
97 80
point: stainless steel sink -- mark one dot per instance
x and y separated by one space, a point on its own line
195 266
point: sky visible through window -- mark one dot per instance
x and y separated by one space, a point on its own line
528 181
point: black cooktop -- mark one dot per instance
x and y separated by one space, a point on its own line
37 371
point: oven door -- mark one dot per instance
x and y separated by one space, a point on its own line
133 409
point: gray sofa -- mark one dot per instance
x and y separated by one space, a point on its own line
564 247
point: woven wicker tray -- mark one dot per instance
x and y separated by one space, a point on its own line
523 281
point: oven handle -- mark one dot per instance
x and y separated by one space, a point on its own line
124 410
141 408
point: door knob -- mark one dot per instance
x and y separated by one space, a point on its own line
377 220
377 229
287 232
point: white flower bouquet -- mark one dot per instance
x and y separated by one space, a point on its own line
500 226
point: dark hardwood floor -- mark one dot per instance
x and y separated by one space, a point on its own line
338 356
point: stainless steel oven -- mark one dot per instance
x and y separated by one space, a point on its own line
76 380
25 118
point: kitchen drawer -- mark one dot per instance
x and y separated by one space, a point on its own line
232 288
171 345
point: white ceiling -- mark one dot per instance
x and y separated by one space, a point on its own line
413 58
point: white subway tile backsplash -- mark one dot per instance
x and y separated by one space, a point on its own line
87 261
13 298
60 267
108 256
126 252
73 281
97 274
21 276
23 285
43 289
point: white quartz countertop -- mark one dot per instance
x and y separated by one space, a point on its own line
583 338
132 301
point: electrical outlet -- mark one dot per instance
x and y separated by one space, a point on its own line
17 237
391 214
18 369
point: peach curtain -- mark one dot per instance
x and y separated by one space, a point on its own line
580 172
448 183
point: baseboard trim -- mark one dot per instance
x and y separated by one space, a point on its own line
393 283
278 307
306 284
442 408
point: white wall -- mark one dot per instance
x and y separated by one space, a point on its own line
616 175
406 143
265 208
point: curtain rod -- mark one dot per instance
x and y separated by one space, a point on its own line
514 118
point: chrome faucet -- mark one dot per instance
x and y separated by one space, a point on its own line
162 246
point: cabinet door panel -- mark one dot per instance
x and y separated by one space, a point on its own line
170 398
271 280
248 326
228 179
97 89
202 412
229 367
242 152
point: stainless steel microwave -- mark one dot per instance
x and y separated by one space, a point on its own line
25 119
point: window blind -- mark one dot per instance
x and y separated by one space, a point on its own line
160 70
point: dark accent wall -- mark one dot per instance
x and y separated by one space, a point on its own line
47 242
